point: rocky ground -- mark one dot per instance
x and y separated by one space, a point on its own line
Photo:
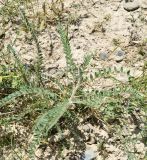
115 31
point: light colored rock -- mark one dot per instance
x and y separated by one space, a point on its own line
132 127
47 152
90 152
139 147
131 6
38 153
135 73
122 77
143 4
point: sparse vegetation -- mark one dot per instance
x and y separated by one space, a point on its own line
46 105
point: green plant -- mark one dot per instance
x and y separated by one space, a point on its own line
48 104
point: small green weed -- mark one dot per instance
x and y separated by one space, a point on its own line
46 105
55 103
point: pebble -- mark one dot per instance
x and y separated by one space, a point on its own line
119 55
103 56
131 6
135 73
38 153
139 147
122 77
90 152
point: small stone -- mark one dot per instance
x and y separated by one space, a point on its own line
131 6
135 73
57 138
90 152
38 153
122 77
132 128
103 56
119 55
139 147
47 152
66 132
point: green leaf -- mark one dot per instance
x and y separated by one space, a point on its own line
26 91
1 79
67 49
87 60
45 122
